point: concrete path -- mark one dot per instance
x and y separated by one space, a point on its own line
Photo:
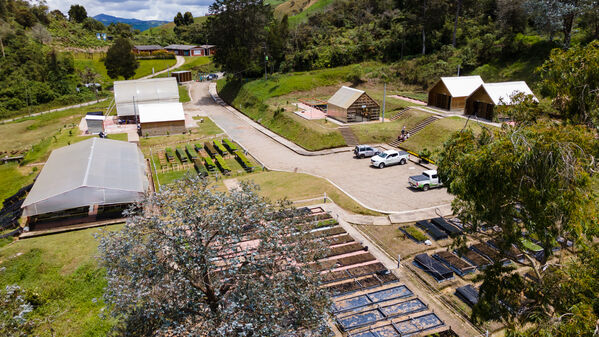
385 191
180 62
54 110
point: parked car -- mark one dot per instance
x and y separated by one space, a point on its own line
428 179
211 77
362 151
389 157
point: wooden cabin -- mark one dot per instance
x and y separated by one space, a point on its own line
482 102
352 105
450 93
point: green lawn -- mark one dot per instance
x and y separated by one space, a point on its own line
374 133
61 274
183 94
118 136
435 134
299 186
94 62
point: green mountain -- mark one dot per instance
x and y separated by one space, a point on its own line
135 23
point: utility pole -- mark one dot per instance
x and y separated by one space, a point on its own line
459 70
384 97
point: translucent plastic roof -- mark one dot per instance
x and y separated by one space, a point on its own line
92 172
155 90
345 97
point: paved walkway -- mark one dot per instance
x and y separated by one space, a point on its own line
180 62
385 191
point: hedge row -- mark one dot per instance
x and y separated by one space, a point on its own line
170 156
219 147
191 152
243 160
181 155
230 145
209 149
222 164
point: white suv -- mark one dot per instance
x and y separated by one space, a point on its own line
389 157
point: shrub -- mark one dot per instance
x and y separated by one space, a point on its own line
181 155
219 147
191 152
222 164
230 145
243 160
209 149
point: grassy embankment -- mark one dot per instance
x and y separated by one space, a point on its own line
435 134
39 136
267 101
61 276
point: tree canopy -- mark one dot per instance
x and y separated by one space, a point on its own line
120 61
194 261
77 13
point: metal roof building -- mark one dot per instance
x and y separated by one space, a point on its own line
92 172
352 105
450 93
483 100
155 90
161 119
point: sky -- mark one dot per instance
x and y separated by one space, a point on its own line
136 9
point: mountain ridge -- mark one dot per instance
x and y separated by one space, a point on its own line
135 23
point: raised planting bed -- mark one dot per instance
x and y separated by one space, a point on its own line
372 268
170 156
344 288
181 155
210 149
458 265
512 252
198 147
329 231
200 168
222 164
345 249
446 226
438 270
232 147
489 252
191 152
468 294
476 259
335 276
414 233
244 161
327 223
219 147
355 259
209 163
340 239
432 230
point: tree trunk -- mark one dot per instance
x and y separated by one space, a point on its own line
567 29
455 23
423 27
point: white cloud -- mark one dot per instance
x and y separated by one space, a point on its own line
136 9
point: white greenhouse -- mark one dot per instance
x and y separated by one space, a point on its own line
94 172
127 94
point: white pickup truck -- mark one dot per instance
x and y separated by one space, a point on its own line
389 157
428 179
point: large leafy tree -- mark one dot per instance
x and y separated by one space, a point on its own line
192 261
571 78
239 30
77 13
533 179
120 61
552 15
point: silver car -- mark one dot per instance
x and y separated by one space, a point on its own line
363 151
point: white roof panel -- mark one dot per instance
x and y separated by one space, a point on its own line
160 112
462 86
94 171
95 118
155 90
345 97
501 93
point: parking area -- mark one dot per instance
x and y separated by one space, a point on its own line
386 190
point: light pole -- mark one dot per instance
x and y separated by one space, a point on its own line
384 101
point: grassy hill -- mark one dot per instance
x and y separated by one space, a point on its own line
169 27
299 10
